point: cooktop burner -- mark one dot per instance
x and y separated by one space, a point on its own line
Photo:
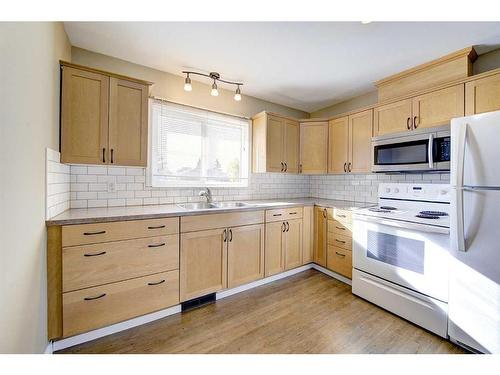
427 216
433 213
390 208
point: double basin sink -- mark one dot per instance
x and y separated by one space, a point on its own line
206 205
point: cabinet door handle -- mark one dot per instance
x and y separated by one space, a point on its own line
282 166
157 245
230 235
112 159
224 235
408 125
157 227
339 228
345 167
283 226
93 298
286 167
340 254
415 125
350 167
324 212
94 254
104 155
339 241
287 226
300 168
157 283
93 233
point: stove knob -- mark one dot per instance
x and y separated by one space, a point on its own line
387 190
396 190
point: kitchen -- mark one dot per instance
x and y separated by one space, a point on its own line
185 211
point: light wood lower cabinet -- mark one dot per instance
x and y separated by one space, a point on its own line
283 246
103 305
339 260
203 267
339 248
245 254
320 235
308 235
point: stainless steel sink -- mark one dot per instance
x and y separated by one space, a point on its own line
197 206
232 204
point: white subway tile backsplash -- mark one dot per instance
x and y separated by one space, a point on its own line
116 171
97 170
57 184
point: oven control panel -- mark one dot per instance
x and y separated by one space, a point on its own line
423 192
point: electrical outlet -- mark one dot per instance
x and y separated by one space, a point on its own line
111 187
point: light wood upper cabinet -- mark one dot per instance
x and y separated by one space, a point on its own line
84 116
360 136
104 118
482 95
203 263
438 107
314 147
338 150
392 118
245 254
128 122
293 243
320 235
275 144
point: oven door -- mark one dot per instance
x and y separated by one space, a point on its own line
415 256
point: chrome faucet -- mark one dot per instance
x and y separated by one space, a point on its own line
207 194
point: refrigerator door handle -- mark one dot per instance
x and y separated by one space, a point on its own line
459 182
430 152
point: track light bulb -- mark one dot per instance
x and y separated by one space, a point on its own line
237 95
214 91
187 84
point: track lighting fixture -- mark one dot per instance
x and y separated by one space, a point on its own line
216 77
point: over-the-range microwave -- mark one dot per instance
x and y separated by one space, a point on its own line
420 150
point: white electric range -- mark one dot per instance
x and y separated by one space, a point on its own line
401 253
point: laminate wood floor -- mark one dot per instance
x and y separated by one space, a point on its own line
305 313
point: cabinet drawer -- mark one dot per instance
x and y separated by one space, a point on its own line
90 265
92 308
335 226
339 260
281 214
83 234
343 216
215 221
335 239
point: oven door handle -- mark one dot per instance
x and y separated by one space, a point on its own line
430 153
404 225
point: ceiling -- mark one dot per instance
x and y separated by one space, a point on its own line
303 65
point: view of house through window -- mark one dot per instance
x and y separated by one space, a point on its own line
195 147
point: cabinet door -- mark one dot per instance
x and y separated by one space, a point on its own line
203 263
392 118
245 254
293 244
84 117
438 107
360 137
320 233
340 261
292 134
338 138
307 234
274 262
128 123
275 144
314 147
482 95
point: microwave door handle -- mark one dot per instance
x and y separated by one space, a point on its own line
430 153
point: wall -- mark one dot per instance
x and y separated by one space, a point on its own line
171 87
364 187
29 106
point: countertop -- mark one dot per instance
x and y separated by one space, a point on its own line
106 214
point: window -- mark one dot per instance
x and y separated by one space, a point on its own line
194 147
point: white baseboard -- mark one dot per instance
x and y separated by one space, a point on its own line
332 274
267 280
114 328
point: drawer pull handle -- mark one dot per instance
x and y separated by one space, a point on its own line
157 283
339 228
93 298
293 213
157 227
93 233
276 214
157 245
95 254
340 254
339 241
341 215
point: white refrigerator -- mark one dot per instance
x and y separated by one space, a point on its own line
474 294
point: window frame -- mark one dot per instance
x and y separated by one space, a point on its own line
200 183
